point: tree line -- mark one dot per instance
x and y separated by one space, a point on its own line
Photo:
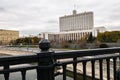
27 41
113 36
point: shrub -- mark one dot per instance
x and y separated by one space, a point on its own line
103 46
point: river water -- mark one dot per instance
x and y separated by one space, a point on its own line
31 75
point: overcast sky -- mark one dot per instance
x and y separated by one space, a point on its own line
36 16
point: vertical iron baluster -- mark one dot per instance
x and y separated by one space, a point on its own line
108 69
119 60
64 72
84 70
23 74
114 67
101 69
74 69
93 69
6 75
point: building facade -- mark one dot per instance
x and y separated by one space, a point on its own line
8 36
68 36
98 30
74 27
76 22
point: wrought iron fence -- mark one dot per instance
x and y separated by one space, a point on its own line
47 61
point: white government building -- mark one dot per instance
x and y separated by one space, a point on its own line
74 27
76 22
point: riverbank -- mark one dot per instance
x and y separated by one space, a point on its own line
24 50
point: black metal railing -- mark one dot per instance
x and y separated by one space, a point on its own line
47 61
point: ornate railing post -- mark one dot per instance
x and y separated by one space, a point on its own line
45 69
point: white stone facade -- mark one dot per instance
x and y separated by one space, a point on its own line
67 36
97 30
75 22
74 27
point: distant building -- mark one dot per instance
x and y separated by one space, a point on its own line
66 36
76 22
74 27
45 34
97 30
8 36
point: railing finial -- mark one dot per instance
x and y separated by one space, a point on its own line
44 45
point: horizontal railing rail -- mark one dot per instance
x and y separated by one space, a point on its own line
86 52
46 62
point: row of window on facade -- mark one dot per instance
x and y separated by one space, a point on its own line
6 36
67 37
75 29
